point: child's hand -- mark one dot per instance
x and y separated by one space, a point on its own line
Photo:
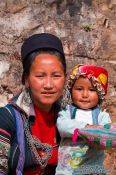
90 126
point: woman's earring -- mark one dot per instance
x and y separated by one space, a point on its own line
27 96
66 98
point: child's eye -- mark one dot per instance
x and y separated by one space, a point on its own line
78 88
92 89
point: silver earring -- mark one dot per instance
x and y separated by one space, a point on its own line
27 97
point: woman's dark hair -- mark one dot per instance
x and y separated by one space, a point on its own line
31 57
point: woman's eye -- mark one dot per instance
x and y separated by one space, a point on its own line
57 75
40 76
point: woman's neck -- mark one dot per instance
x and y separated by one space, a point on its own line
45 108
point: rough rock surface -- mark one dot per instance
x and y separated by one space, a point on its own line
87 29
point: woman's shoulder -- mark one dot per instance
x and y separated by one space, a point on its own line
6 110
7 120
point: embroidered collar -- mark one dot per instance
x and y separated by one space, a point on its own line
24 103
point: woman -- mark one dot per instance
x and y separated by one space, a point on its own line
28 135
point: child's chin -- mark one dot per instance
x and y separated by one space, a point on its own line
85 107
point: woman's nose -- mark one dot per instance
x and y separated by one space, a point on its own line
48 83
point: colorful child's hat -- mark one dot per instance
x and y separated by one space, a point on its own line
97 75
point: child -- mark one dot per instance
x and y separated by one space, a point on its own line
86 88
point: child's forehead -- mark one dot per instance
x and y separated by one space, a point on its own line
82 80
82 77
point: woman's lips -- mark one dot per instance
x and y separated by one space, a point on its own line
48 93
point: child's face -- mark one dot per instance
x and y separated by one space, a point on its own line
84 94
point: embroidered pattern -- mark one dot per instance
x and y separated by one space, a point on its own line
73 159
4 149
24 103
71 156
105 136
35 144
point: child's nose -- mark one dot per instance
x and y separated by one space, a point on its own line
85 93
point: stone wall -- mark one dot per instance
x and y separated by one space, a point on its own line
86 27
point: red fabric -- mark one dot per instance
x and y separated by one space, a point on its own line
45 130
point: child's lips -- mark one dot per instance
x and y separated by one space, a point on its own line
82 101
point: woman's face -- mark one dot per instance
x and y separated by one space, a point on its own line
46 80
